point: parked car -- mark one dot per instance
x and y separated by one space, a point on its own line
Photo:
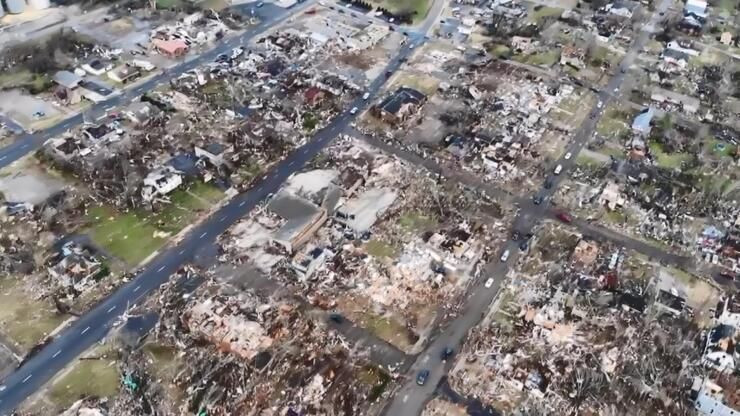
365 96
537 200
447 353
568 155
489 283
558 169
353 110
524 245
421 377
505 255
336 318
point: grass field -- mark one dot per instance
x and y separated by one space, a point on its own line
667 160
87 378
24 319
132 236
419 7
377 248
537 12
544 59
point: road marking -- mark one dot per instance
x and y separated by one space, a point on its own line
222 219
305 151
136 289
1 158
111 309
85 330
181 252
203 235
160 269
242 203
56 354
292 162
258 189
28 377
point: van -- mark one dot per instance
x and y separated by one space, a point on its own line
558 169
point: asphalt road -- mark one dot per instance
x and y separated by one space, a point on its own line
29 142
411 398
94 325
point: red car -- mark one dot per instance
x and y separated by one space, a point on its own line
563 217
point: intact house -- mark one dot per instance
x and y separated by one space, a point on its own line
160 182
697 8
170 48
399 106
97 67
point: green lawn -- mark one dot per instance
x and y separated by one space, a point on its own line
544 59
386 328
167 4
131 236
377 248
127 236
416 221
667 160
24 319
499 50
536 13
614 123
96 378
22 78
420 7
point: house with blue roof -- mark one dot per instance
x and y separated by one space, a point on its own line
641 123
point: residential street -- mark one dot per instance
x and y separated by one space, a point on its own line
411 398
93 326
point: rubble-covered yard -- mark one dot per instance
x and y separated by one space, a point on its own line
366 235
221 349
493 119
588 328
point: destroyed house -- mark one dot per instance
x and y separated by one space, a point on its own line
300 220
74 264
229 331
97 132
670 302
675 57
124 73
400 105
360 213
161 181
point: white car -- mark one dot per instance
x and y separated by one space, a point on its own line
353 110
505 255
568 155
366 96
558 169
489 283
599 104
